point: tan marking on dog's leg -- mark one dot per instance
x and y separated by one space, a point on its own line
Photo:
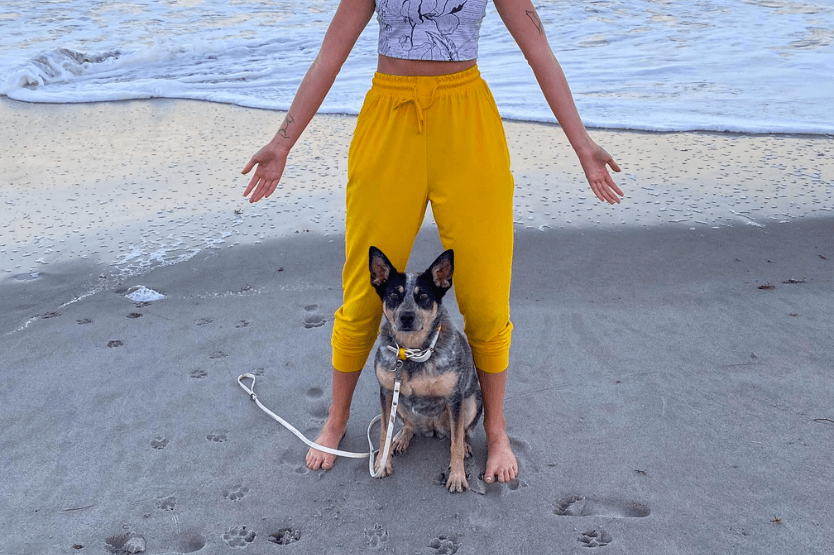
383 429
403 439
470 411
457 473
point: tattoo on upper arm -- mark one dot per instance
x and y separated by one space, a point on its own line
534 17
283 131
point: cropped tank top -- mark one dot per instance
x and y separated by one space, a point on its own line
438 30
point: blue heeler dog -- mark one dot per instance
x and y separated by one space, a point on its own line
440 394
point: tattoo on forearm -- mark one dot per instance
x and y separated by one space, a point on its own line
286 126
534 17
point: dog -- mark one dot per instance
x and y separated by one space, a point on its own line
440 393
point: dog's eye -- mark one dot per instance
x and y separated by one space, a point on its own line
393 295
423 296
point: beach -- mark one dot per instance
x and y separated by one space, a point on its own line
670 377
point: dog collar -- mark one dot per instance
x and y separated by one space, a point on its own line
415 355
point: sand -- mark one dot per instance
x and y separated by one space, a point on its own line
670 383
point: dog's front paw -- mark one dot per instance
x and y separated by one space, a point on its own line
457 481
389 468
402 440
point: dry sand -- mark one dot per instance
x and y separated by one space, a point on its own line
670 387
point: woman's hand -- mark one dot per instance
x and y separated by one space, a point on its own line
595 163
271 161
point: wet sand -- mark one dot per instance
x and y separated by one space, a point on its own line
669 389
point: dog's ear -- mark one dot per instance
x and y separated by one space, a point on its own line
441 270
381 269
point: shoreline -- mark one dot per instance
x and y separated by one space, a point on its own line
773 134
139 183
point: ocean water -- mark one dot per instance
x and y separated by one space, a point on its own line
718 65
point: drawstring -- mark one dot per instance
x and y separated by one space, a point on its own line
421 118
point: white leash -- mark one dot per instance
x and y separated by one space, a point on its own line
402 355
370 454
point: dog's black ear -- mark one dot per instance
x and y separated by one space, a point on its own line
442 269
381 269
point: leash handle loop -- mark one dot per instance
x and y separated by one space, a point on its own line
339 453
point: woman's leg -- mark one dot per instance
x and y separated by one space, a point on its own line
343 384
386 200
501 462
471 191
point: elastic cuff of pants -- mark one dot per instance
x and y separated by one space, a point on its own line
348 364
492 364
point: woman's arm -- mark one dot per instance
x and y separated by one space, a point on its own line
524 25
351 18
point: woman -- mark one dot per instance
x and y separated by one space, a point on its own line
429 131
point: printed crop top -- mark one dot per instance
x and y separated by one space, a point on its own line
438 30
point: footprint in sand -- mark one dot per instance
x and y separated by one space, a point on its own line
319 410
115 343
31 276
159 442
203 321
134 315
291 460
523 455
445 544
190 544
315 393
84 321
218 437
580 506
595 538
312 317
239 536
242 324
376 537
285 536
129 542
198 374
235 493
167 504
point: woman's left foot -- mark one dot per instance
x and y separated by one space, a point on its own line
501 462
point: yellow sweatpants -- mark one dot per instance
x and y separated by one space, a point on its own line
439 140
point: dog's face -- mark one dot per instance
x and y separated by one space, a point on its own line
410 301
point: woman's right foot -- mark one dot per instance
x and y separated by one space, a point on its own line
331 435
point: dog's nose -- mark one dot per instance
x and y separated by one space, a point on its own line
407 320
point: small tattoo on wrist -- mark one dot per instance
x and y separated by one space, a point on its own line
283 131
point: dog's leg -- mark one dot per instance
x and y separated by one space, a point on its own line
403 439
457 473
471 414
385 398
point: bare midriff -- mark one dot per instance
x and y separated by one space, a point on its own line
396 66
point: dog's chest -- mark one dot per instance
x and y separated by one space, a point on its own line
427 383
440 385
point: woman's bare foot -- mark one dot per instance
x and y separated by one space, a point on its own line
501 462
331 435
343 384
